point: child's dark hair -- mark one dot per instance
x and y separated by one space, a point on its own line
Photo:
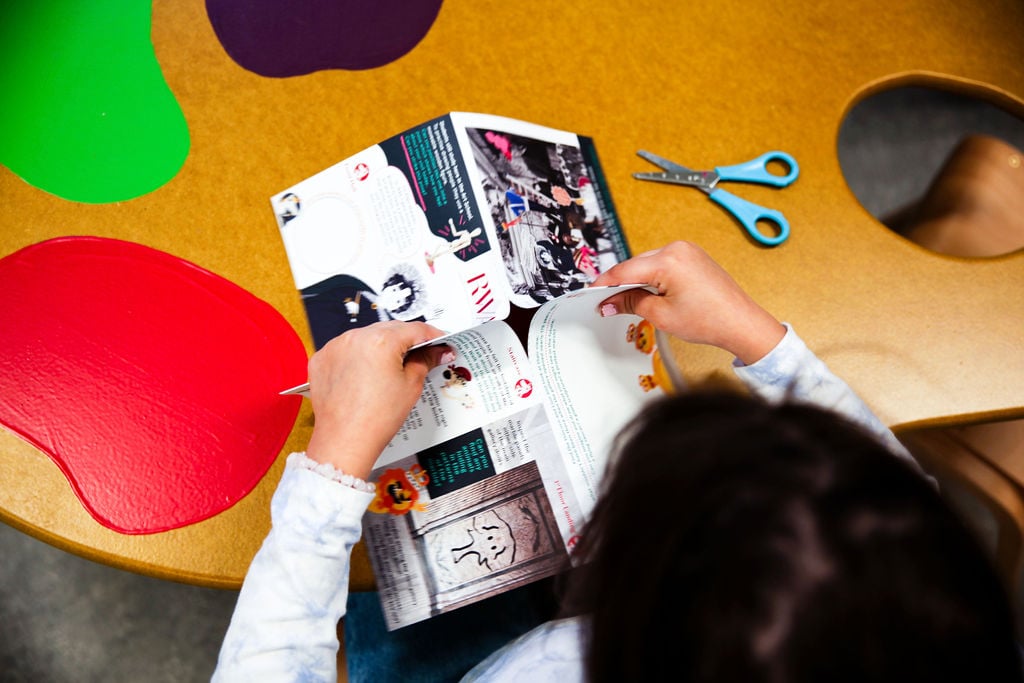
741 541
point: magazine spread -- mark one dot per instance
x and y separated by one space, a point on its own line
486 486
462 221
452 222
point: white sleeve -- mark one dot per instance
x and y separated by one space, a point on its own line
791 371
285 622
550 653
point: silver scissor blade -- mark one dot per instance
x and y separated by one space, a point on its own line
677 174
690 179
674 178
662 162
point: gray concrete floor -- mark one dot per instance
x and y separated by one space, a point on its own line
63 618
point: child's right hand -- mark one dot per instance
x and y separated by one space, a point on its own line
363 385
698 302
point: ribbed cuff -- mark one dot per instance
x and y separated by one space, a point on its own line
328 471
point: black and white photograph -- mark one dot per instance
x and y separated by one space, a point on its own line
546 215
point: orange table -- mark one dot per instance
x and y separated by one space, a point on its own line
925 339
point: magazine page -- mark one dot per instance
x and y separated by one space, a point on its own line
393 232
548 207
597 373
461 513
490 378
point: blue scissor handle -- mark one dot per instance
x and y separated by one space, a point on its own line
756 170
749 214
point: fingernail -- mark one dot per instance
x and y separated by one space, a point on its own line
608 310
448 357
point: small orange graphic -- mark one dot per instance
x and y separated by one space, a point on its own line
641 335
397 494
659 377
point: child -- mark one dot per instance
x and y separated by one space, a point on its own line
735 538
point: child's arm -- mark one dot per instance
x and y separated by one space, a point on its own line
362 385
284 626
792 372
701 303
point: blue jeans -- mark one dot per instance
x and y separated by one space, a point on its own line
444 647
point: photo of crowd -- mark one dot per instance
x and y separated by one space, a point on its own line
546 213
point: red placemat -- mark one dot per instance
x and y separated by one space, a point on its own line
151 382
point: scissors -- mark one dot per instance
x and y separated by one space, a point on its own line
753 171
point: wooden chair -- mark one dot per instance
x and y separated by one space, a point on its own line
975 209
988 460
975 206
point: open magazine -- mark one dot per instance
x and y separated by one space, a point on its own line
455 221
487 485
467 221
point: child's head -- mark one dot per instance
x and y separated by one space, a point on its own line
739 541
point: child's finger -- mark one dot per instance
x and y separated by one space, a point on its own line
630 301
431 356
